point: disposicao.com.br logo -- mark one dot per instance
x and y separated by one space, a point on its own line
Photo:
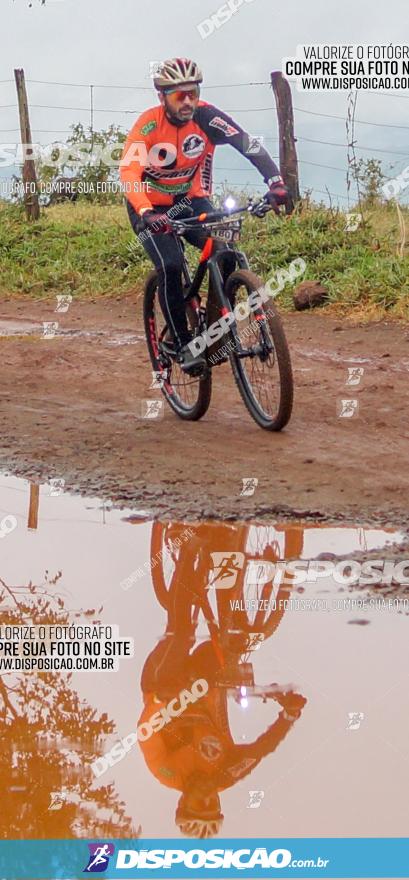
99 855
241 859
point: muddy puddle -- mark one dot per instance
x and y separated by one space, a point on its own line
251 703
397 366
51 330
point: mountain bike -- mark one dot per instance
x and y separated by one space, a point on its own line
183 583
189 563
232 322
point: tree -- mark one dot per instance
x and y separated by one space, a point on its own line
99 152
369 173
88 157
48 740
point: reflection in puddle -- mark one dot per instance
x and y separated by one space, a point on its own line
49 737
196 753
237 716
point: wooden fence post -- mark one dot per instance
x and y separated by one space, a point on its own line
32 521
29 172
288 153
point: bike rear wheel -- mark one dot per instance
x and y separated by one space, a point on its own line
188 396
166 553
264 378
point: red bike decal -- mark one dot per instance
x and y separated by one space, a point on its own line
207 251
153 337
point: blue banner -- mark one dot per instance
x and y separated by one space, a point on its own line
181 858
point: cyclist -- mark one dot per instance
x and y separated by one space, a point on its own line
196 753
169 153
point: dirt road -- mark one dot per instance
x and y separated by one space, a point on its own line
70 407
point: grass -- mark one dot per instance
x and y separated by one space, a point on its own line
89 250
83 249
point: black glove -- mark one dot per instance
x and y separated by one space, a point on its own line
292 704
155 222
278 195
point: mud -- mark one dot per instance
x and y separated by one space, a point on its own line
70 407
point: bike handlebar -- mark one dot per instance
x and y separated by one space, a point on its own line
261 206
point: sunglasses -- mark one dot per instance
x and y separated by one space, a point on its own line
180 95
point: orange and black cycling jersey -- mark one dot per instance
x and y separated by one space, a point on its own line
177 159
194 744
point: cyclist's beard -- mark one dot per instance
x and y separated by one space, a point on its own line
174 119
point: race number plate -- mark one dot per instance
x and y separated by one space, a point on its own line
226 233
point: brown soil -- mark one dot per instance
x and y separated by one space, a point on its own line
70 407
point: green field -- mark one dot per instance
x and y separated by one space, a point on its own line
89 249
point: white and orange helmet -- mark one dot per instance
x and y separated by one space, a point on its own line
177 72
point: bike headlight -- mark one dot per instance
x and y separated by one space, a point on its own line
230 203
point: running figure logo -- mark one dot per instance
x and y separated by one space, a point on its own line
352 222
354 375
354 720
64 301
249 485
58 799
157 380
99 857
255 799
347 409
226 568
255 143
152 409
49 329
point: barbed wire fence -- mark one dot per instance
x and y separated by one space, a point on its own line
127 115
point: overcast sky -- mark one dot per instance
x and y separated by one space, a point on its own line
112 42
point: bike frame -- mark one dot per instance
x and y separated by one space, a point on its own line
211 261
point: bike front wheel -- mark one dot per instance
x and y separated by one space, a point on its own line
259 354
